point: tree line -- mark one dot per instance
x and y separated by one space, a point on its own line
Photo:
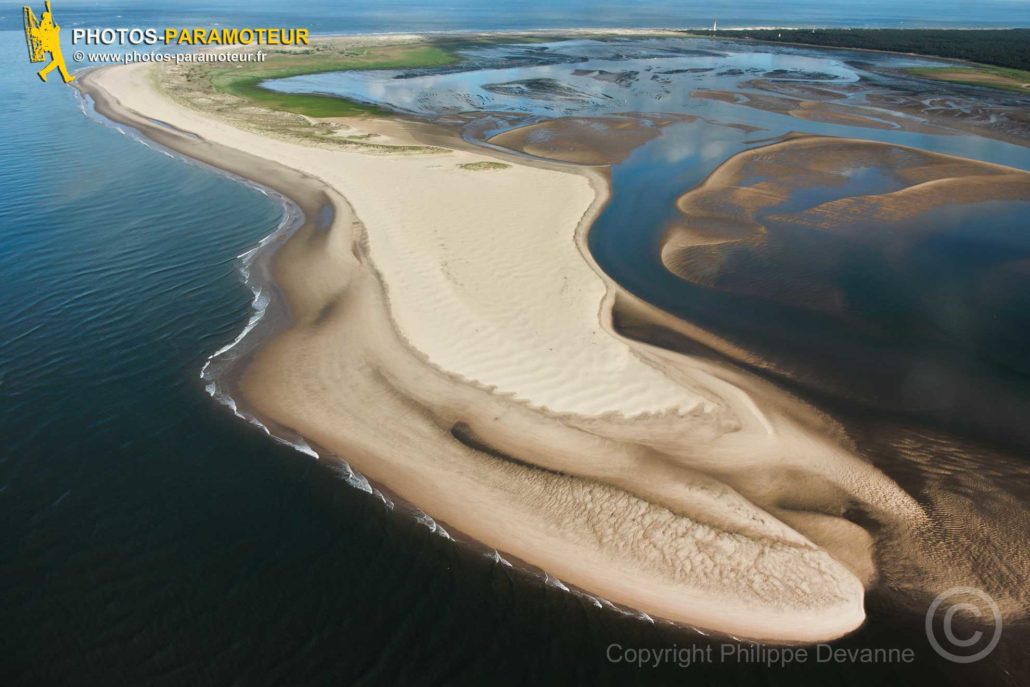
1001 47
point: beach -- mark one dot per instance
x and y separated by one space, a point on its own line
451 338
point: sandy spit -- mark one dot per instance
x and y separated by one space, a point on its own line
452 339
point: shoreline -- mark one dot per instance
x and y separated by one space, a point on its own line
314 266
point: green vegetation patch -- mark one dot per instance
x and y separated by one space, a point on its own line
479 166
980 75
244 80
1000 47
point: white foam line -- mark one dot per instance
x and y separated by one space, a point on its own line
552 581
354 479
496 557
426 520
259 306
386 501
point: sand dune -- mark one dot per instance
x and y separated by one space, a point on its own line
452 339
440 229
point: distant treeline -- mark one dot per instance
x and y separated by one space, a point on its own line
1002 47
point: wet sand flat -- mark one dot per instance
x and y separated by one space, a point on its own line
734 206
586 140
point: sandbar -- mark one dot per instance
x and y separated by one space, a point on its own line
451 338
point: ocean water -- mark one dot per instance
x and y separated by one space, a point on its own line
427 15
150 537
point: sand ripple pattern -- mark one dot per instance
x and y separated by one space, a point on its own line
469 287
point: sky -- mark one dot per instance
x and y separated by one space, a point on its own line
401 15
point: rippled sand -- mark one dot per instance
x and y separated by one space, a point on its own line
451 338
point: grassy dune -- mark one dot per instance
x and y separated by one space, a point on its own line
979 75
244 80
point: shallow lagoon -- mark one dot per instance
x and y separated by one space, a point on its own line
588 77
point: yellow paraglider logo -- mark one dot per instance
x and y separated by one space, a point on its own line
43 36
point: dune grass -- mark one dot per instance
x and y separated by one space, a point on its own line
482 166
244 80
978 75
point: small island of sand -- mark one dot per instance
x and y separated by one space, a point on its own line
733 209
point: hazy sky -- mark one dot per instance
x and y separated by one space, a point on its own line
385 15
